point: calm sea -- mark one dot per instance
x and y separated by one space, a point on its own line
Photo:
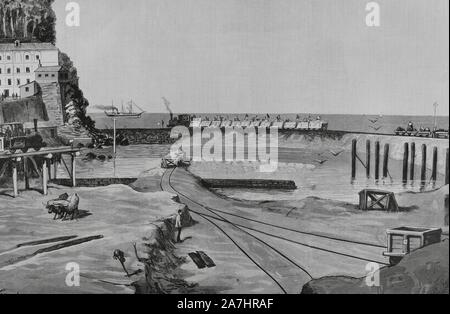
356 123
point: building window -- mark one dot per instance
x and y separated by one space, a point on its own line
8 58
37 57
18 82
0 82
53 75
27 89
28 81
46 75
8 70
0 70
39 75
27 57
27 70
9 82
18 70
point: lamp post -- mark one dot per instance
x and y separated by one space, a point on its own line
435 105
114 145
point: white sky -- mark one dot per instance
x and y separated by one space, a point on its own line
261 56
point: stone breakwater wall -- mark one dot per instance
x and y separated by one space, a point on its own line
162 136
94 182
144 136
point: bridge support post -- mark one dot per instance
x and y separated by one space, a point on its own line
25 173
15 179
55 169
45 177
73 164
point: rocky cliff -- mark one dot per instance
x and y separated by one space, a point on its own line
34 20
27 19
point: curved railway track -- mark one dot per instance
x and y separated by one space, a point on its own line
214 217
240 248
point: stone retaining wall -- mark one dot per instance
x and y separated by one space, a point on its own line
252 184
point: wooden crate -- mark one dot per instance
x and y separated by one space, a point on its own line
404 240
376 199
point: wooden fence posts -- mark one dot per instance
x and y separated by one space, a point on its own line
405 163
409 162
386 161
447 170
354 142
412 165
368 151
377 160
434 165
423 172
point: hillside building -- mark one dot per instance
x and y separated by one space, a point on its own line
19 62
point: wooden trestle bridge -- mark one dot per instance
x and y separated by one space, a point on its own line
44 163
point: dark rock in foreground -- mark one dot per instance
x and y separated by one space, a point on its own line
422 272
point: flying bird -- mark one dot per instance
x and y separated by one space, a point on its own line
376 128
373 120
336 154
321 161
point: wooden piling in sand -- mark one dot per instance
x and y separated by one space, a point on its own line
368 152
412 164
354 142
447 169
386 161
435 164
405 163
423 172
377 160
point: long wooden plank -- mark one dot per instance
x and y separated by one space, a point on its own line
45 241
44 151
49 249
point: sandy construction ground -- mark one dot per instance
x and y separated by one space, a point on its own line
118 213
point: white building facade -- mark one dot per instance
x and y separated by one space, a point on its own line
19 61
